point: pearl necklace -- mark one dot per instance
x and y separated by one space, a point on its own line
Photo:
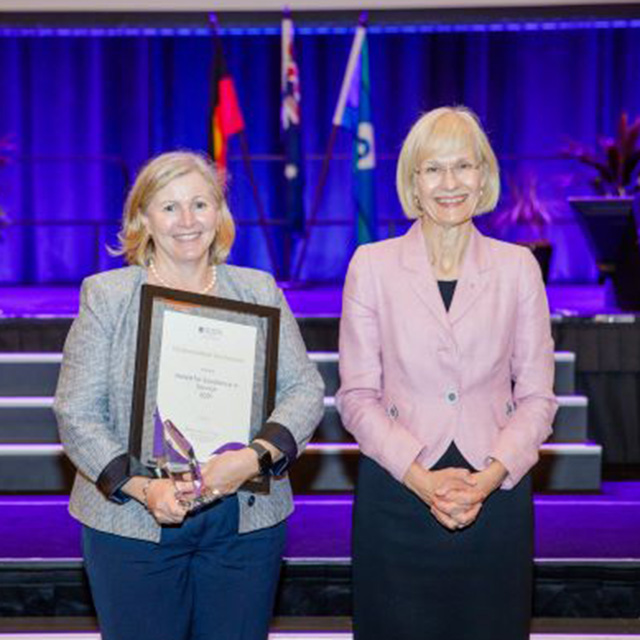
210 285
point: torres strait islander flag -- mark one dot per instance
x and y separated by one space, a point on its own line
353 112
291 133
225 118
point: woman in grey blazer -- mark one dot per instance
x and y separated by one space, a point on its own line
156 570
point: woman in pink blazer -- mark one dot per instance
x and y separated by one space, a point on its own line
446 363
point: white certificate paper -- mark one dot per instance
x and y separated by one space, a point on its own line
205 379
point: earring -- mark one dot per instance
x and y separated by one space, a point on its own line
416 203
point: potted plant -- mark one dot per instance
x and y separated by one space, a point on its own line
615 160
608 216
525 219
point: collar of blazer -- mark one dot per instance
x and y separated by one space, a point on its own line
474 273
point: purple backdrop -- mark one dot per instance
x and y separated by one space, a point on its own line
85 109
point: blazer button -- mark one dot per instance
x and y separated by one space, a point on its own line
451 396
251 500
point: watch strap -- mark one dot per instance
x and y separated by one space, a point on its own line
265 461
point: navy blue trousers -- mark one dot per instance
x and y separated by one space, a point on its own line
202 581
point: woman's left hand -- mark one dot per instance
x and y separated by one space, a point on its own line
463 504
226 472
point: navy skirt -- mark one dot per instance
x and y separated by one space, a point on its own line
415 580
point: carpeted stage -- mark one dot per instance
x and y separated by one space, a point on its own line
62 301
599 527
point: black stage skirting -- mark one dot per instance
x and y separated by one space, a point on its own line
607 365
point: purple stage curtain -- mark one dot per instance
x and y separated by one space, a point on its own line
85 112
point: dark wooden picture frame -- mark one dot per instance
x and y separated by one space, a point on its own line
149 296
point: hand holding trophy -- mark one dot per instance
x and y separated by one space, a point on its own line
176 459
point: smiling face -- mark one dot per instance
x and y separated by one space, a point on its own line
448 186
447 170
182 219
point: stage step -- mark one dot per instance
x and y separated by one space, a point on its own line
564 383
323 468
570 424
599 526
36 374
565 373
332 468
30 419
35 468
29 374
571 421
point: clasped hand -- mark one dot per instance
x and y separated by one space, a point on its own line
454 496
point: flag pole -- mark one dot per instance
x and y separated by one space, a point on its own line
317 200
246 159
324 172
262 217
291 143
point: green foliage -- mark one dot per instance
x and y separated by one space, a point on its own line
615 160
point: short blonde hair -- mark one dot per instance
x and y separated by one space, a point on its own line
135 242
445 130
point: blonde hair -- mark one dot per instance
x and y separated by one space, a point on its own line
441 131
135 243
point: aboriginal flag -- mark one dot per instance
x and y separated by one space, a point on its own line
225 116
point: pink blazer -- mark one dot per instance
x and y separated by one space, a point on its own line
415 378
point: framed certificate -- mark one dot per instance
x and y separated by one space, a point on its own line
205 376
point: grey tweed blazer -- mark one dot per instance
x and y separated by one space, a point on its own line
93 398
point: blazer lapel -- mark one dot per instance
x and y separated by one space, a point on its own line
416 261
473 276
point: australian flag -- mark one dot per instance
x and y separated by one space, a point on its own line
291 134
